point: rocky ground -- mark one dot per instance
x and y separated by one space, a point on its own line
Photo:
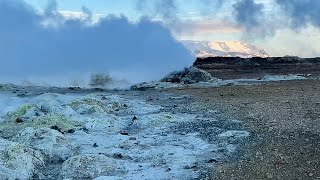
74 133
243 129
286 118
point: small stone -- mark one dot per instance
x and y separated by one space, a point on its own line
132 138
125 133
85 130
117 156
212 161
71 131
168 170
95 145
56 128
310 174
19 120
134 118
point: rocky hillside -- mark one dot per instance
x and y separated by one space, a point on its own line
257 67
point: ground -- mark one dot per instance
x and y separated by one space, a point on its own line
265 130
286 118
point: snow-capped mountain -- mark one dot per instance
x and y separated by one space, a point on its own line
224 49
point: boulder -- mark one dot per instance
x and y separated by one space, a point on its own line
50 142
189 76
18 161
89 167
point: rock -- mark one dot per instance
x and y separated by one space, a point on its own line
125 133
154 85
18 161
55 127
71 131
9 127
89 167
19 120
32 112
189 76
50 142
134 118
92 105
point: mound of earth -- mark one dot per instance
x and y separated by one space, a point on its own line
189 76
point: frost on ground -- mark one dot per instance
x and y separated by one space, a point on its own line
109 136
177 82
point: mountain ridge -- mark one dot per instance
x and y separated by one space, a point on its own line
203 49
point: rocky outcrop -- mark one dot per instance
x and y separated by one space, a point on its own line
189 76
18 161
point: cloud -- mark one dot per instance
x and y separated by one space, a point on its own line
139 51
252 17
301 12
248 13
286 41
204 28
165 10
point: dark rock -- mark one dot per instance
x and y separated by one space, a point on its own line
19 120
21 95
141 87
74 88
188 76
117 156
125 133
95 145
84 130
134 118
57 129
71 131
212 161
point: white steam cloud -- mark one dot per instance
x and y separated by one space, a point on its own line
51 49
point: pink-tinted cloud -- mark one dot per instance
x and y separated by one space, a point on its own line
205 28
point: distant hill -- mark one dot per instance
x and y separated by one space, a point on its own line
224 49
257 67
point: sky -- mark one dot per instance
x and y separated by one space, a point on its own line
216 20
138 40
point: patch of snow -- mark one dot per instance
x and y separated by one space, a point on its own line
282 77
224 49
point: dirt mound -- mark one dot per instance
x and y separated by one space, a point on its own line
189 76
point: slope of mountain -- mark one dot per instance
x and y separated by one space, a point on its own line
224 49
